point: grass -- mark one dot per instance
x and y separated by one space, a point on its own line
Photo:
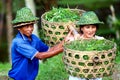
51 69
4 67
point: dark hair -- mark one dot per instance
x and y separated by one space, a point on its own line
81 26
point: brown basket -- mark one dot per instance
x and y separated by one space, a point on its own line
55 31
89 64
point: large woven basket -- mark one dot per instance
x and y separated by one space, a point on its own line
55 31
89 64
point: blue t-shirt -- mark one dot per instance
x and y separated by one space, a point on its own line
24 64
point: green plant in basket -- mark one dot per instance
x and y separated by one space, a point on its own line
62 15
90 45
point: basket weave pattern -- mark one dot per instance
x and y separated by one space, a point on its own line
89 64
55 31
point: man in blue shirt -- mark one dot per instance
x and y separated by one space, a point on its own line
27 48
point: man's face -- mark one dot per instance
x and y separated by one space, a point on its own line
27 29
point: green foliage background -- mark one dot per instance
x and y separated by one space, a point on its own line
53 68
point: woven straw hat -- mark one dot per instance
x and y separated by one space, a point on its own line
24 16
89 18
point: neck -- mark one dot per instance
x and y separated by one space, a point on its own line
84 37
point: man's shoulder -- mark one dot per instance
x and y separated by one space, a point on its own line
34 36
17 39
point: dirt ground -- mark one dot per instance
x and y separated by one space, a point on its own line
116 73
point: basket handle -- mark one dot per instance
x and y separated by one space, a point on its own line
74 32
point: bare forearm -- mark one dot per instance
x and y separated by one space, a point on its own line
49 54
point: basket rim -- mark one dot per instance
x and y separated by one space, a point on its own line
114 48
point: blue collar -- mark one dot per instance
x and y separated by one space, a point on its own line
23 36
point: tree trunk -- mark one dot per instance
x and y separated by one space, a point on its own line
114 19
48 4
9 26
30 4
1 20
117 34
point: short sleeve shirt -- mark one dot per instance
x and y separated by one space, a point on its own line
24 64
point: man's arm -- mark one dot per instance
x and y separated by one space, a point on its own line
52 52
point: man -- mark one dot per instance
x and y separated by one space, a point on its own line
27 48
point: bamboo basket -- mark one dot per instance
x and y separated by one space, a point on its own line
56 31
98 63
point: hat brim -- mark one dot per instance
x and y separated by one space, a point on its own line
78 23
17 20
22 24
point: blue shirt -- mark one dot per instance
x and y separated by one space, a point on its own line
24 64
